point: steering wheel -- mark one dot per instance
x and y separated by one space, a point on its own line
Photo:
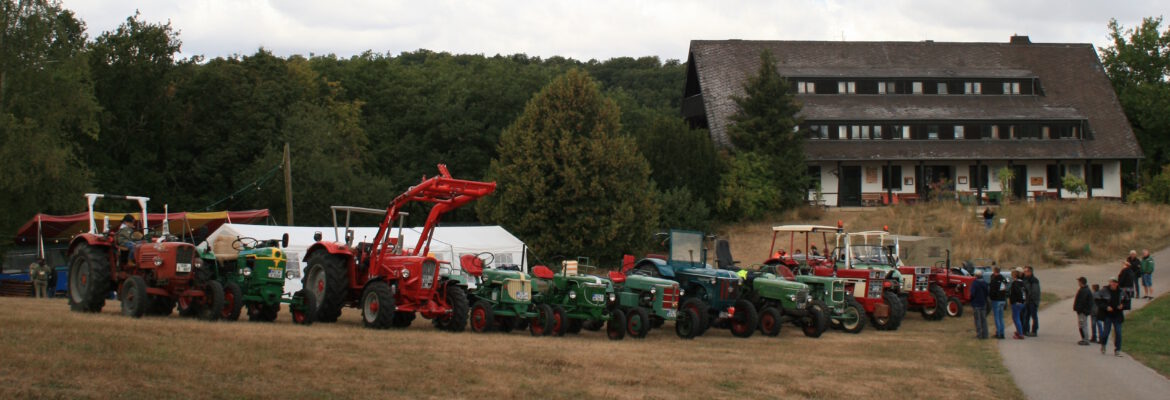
487 257
243 243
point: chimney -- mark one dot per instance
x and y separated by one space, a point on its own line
1017 39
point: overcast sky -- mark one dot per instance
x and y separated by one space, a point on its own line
599 29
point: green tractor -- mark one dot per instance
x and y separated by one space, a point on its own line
833 294
576 299
502 299
253 275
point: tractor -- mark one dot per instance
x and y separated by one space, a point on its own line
660 297
577 298
253 273
503 299
880 250
875 290
834 294
161 273
778 297
955 283
387 280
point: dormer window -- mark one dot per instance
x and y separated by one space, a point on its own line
805 87
1011 88
846 87
972 88
917 87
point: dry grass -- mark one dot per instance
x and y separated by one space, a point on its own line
1035 234
49 352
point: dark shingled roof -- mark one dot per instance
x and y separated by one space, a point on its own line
1074 83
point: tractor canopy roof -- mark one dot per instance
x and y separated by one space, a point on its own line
804 228
57 227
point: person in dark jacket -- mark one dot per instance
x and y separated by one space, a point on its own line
1135 265
1031 318
1126 278
1095 316
1018 295
1083 305
1111 303
979 305
997 293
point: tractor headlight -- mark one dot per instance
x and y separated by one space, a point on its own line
572 295
612 297
197 262
653 290
246 271
405 273
682 292
157 261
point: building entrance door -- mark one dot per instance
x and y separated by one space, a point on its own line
849 190
1020 181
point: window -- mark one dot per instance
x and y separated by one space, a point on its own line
1007 132
972 88
814 175
942 88
905 132
978 177
932 131
1074 170
892 177
877 132
1054 174
865 132
856 132
842 132
917 87
1096 176
958 131
846 87
1011 88
806 87
819 132
1045 133
987 131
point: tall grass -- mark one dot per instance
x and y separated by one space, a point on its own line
1041 234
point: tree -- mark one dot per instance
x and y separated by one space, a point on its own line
1138 64
568 182
1006 175
46 99
748 190
766 123
1073 184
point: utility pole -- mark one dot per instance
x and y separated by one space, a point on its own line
288 184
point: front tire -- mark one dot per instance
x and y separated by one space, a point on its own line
638 323
686 324
233 302
212 301
700 309
306 312
134 298
558 321
615 329
817 321
853 318
542 323
456 321
938 311
770 321
954 307
744 322
325 276
377 305
482 318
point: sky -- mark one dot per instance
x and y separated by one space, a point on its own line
599 29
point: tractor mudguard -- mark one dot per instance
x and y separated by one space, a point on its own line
658 263
88 239
331 247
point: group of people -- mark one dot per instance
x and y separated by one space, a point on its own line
1100 310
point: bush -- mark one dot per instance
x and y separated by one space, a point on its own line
748 189
681 209
1074 184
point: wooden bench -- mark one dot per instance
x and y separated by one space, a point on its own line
871 199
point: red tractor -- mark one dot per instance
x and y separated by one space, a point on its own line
388 281
881 249
955 283
161 273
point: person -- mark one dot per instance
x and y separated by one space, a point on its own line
1018 296
39 273
998 294
1111 301
125 236
1135 264
1148 273
979 305
1083 305
1126 278
813 251
988 217
1094 316
1032 305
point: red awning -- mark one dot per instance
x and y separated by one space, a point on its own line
61 227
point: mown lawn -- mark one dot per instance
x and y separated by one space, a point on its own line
1145 335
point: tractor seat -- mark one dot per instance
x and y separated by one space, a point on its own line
471 264
617 277
542 272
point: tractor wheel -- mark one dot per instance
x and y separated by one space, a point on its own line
769 321
306 312
638 323
890 322
402 319
615 329
89 279
954 307
700 309
686 324
939 310
134 298
377 305
233 301
593 325
482 317
504 324
212 301
456 321
573 326
325 275
853 318
558 321
817 320
161 306
745 320
542 323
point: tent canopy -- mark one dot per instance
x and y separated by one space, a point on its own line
65 226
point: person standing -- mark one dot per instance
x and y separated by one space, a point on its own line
979 306
1148 273
1135 264
988 217
38 273
1018 295
997 292
1032 304
1095 315
1083 305
1126 279
1112 300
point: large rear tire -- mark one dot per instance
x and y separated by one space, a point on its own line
744 322
482 318
939 309
325 276
853 318
212 305
134 298
89 279
615 329
456 321
233 302
377 305
638 323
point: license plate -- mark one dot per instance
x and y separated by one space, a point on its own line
183 267
275 274
671 313
597 298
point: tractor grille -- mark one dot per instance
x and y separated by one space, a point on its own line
185 254
428 274
670 297
802 296
875 289
728 288
921 283
518 290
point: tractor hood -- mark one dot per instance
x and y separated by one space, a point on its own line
591 280
770 281
499 275
646 282
708 273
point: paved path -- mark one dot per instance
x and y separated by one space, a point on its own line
1053 366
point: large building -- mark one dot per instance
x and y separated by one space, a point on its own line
894 121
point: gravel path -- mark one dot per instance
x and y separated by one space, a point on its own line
1053 366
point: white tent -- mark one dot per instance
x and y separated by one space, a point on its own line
447 244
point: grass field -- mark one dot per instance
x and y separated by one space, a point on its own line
49 352
1145 335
